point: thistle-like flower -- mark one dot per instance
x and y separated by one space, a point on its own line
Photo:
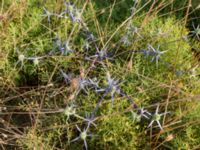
135 117
77 16
133 30
141 113
64 47
69 111
125 40
113 87
156 117
196 31
89 36
74 13
47 14
133 8
21 59
66 77
155 53
86 45
69 7
90 118
86 84
193 71
82 85
83 136
101 55
144 113
35 60
93 83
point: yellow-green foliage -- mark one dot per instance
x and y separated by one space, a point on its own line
119 132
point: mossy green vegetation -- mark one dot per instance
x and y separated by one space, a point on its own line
92 75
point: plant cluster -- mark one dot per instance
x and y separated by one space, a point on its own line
105 90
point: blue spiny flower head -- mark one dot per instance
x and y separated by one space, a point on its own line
74 13
69 7
67 77
82 85
156 117
135 117
133 8
90 118
89 35
196 31
154 53
133 30
140 113
47 14
83 135
22 58
57 41
85 84
111 82
125 40
101 55
69 111
36 60
86 46
64 47
144 113
93 83
77 17
193 72
113 87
